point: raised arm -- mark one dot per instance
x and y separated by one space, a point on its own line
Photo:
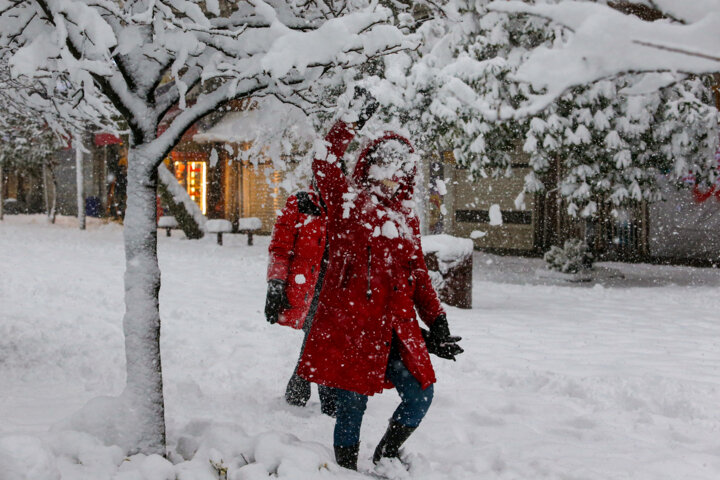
332 183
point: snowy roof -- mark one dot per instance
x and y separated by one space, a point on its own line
271 119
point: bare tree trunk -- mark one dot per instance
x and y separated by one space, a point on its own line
80 180
141 324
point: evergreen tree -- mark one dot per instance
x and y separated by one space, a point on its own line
604 143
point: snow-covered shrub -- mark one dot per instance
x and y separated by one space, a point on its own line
572 258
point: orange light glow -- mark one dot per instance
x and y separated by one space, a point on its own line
194 177
196 184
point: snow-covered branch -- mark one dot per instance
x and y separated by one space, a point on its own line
607 42
602 141
205 104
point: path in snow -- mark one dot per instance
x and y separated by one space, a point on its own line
558 381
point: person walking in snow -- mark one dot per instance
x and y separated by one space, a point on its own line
296 255
365 336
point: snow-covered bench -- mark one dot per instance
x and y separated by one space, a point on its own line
168 223
249 226
218 226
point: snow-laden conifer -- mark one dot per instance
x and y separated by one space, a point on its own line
601 142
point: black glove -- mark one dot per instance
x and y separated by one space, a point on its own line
439 341
368 106
276 300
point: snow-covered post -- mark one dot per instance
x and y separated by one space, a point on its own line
45 189
53 199
80 180
449 260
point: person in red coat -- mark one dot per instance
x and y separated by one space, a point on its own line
296 255
365 336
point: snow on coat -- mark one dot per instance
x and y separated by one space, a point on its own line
296 251
376 279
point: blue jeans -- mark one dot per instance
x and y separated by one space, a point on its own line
351 406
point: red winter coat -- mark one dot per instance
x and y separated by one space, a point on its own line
375 281
296 251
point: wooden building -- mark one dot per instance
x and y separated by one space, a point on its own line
468 206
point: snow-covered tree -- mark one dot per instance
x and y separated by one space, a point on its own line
145 57
29 147
37 117
28 144
597 143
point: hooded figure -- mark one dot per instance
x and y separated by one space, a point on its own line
365 336
296 256
295 253
376 276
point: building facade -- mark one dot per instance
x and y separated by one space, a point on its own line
683 227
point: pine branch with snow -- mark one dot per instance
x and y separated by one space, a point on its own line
605 142
608 41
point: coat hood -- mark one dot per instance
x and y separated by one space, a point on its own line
362 168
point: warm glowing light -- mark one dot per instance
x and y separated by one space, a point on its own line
193 175
197 173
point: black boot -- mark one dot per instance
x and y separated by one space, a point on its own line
347 457
297 392
395 436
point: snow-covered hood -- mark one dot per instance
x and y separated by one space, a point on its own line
362 168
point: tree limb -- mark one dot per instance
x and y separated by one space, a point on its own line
677 50
643 12
206 104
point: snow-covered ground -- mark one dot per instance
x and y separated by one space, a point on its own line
619 380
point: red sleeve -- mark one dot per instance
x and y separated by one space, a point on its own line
331 181
283 241
425 297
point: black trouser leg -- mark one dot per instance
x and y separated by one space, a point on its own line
297 392
327 400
